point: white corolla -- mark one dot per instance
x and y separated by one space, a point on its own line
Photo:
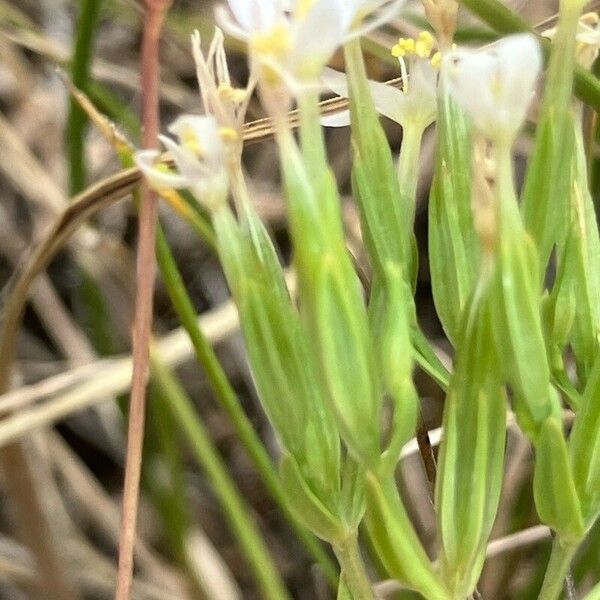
495 85
291 41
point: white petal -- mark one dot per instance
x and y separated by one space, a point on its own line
495 85
389 101
339 119
205 131
225 20
318 34
242 12
158 178
378 18
336 81
187 164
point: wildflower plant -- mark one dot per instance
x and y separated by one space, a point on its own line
332 361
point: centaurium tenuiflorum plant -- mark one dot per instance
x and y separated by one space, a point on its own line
333 367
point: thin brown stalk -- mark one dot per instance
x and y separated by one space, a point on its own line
146 268
427 454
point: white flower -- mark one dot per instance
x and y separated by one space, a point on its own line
293 40
588 38
495 85
414 103
199 160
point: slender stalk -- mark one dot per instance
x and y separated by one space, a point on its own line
353 569
408 167
86 28
146 266
228 399
241 522
558 567
311 131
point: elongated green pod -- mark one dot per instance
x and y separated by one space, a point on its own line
584 257
453 245
515 310
392 339
554 489
471 459
386 213
347 360
282 365
545 198
306 506
396 542
584 447
331 299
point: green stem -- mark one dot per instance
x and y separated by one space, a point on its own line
408 167
86 26
558 566
311 132
229 400
241 522
358 82
353 568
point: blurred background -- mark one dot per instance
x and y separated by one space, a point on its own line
69 387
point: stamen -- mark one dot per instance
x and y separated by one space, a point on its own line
230 94
190 140
404 73
436 60
228 134
424 44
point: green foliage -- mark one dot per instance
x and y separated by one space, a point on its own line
329 360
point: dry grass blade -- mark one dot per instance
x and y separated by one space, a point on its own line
109 377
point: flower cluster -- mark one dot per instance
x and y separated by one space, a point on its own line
415 102
291 42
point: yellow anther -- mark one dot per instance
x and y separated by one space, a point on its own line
190 140
407 44
397 51
276 42
424 44
436 60
231 94
228 134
